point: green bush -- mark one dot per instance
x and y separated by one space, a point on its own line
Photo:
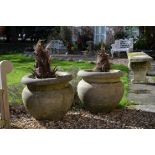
141 42
74 47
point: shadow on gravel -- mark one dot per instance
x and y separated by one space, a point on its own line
118 119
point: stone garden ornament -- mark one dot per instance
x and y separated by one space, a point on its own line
139 64
100 88
48 95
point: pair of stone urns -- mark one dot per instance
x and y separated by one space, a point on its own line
51 98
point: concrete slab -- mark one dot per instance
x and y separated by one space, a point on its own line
142 96
151 72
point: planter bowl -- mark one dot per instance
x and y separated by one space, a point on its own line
100 91
50 98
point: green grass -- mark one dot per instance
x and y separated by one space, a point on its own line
153 78
23 65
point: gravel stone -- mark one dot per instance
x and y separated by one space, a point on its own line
81 119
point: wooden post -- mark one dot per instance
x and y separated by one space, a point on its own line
5 67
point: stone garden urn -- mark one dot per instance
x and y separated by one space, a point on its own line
100 91
49 98
139 64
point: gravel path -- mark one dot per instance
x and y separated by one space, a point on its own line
120 118
119 61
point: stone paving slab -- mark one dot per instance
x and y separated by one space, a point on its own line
151 72
146 108
142 96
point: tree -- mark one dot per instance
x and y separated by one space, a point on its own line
147 37
66 34
85 36
119 32
11 34
54 33
149 32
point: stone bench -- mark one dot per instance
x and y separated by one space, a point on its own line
5 68
139 63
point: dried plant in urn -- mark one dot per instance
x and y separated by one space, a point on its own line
100 88
42 62
102 62
48 95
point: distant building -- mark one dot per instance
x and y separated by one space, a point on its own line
99 34
106 33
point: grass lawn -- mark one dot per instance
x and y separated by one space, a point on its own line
23 65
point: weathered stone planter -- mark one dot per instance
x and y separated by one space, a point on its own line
48 99
100 91
139 63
